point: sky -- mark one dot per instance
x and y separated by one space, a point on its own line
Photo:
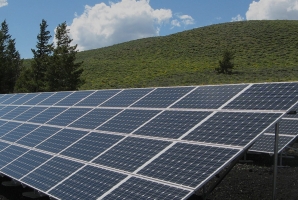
94 24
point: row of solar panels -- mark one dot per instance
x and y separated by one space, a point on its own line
273 96
143 151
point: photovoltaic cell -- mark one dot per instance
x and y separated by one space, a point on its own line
25 164
232 128
3 145
136 188
6 97
6 110
25 116
265 143
94 118
74 98
47 115
188 164
288 127
25 98
209 97
13 98
2 122
51 173
295 108
162 97
91 146
6 128
9 154
14 113
19 132
97 98
38 98
172 124
126 97
38 135
131 153
128 120
53 99
61 140
88 183
68 116
272 96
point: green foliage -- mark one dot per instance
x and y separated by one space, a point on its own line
265 51
42 58
10 60
63 73
226 64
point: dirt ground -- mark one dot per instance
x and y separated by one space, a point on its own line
253 181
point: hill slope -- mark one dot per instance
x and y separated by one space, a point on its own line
265 51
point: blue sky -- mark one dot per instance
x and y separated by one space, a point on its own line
97 23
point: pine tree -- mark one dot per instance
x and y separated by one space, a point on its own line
226 65
41 58
63 73
10 60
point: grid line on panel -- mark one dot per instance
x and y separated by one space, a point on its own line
14 159
84 98
234 97
74 98
12 99
25 98
110 98
6 110
39 98
11 126
142 98
7 97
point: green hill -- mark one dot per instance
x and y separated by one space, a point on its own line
265 51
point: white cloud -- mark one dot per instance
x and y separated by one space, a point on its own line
3 3
186 19
238 18
273 9
104 25
175 23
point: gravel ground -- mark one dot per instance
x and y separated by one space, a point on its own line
245 181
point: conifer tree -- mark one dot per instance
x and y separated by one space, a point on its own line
226 65
10 60
41 58
63 73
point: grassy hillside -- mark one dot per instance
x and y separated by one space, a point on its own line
264 50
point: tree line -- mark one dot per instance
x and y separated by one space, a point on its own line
53 67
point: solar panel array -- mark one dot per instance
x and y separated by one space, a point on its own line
152 143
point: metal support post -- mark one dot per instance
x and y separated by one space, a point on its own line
275 160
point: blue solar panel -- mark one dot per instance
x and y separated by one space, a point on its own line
232 128
162 97
266 143
47 115
9 154
188 164
7 127
272 96
97 98
53 99
3 145
25 164
88 183
172 124
94 118
91 146
19 132
61 140
51 173
39 98
68 116
13 98
136 188
38 135
128 121
14 113
126 97
25 116
74 98
288 127
131 153
5 97
6 110
209 97
25 98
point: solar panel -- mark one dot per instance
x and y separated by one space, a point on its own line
265 143
150 143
